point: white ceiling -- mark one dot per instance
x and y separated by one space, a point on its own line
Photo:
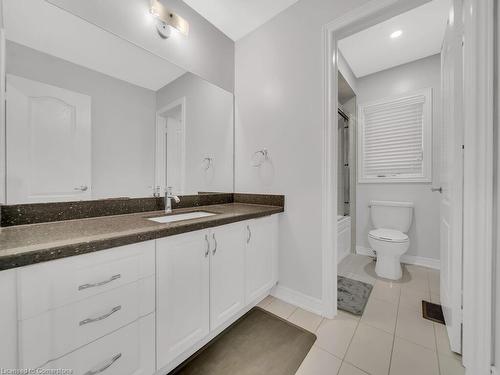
372 49
237 18
48 29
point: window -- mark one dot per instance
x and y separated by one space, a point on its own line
395 139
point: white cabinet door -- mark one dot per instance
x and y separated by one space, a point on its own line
260 254
8 320
48 143
183 282
227 292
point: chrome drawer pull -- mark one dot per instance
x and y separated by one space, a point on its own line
106 366
249 234
92 320
215 243
208 245
112 278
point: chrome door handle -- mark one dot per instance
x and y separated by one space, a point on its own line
112 278
249 234
82 188
208 245
215 243
439 189
102 317
107 365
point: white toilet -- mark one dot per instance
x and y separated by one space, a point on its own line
389 240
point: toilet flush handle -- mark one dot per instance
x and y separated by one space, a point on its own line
439 189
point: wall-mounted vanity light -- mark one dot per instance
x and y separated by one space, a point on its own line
167 21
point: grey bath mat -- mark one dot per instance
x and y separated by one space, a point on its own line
352 295
258 343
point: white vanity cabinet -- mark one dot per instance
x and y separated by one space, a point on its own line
200 285
261 263
68 309
136 309
207 279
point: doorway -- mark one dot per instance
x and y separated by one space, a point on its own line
477 200
170 158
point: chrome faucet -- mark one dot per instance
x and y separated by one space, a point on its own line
168 200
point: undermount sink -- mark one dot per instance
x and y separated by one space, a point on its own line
179 217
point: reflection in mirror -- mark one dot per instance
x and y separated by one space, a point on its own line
195 136
91 116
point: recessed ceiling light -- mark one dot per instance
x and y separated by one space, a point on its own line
396 34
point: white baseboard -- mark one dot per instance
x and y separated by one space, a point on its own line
407 259
421 261
362 250
301 300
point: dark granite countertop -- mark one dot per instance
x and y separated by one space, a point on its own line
34 243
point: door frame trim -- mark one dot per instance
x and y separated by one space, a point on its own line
478 197
356 20
3 127
478 166
160 151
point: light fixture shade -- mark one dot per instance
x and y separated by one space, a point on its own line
164 15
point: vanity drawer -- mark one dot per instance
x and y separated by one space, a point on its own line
128 351
62 330
53 284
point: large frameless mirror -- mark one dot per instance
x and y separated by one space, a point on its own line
91 115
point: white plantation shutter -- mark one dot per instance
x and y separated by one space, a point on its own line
394 139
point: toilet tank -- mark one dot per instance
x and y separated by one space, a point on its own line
391 215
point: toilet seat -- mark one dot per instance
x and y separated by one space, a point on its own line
388 235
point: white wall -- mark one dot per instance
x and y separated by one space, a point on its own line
407 78
206 51
209 131
123 121
279 93
2 107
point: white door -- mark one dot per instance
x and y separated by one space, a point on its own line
175 150
451 177
48 143
227 273
182 293
259 256
170 160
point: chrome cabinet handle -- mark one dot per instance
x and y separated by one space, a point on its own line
439 189
112 278
82 188
249 234
215 243
208 245
102 317
107 365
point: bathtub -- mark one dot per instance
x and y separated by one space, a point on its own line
343 237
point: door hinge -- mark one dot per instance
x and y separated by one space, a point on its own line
494 370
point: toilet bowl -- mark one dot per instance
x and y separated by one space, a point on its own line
389 245
389 240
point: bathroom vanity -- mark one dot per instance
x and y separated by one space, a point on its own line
124 247
137 308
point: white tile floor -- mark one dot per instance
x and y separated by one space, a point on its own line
391 338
